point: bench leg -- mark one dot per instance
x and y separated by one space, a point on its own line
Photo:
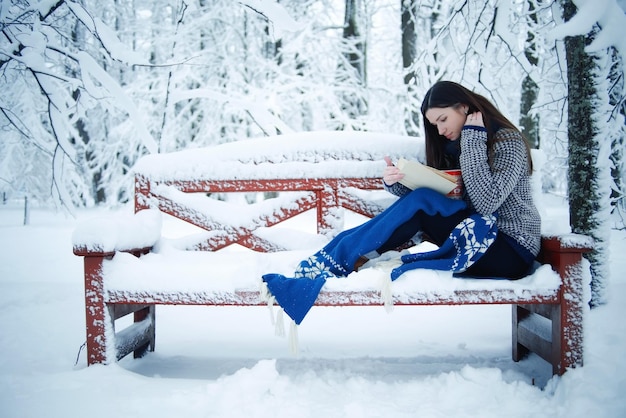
519 350
564 349
137 338
567 324
533 331
550 331
149 314
567 321
98 323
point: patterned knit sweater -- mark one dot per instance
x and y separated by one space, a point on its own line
504 187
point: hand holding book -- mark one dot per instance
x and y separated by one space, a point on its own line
391 174
415 175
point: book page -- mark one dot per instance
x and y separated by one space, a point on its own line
419 175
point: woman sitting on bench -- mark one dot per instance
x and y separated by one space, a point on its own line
493 231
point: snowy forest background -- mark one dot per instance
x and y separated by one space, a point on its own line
88 87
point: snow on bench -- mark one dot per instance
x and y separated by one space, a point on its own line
130 267
233 278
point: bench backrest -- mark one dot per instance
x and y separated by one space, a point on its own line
325 172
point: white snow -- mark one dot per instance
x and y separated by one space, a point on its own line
607 14
301 155
227 362
118 233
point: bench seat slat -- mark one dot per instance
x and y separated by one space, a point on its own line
234 278
334 298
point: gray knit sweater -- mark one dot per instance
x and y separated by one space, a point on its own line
504 187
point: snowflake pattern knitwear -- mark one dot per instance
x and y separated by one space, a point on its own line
467 242
465 245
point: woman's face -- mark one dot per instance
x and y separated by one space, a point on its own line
448 120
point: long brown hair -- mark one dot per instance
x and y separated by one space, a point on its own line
449 94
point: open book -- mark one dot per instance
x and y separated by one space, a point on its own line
417 175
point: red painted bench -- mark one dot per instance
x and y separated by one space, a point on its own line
547 313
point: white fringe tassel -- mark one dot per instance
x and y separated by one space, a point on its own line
279 320
385 293
267 296
279 326
293 338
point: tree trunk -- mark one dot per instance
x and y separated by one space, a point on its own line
355 58
530 90
618 145
409 55
352 31
585 192
91 167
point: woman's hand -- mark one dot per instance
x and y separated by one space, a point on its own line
474 119
391 174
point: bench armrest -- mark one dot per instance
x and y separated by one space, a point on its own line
564 251
104 236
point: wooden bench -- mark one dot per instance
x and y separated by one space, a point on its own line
547 307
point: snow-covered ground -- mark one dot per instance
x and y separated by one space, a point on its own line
227 362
